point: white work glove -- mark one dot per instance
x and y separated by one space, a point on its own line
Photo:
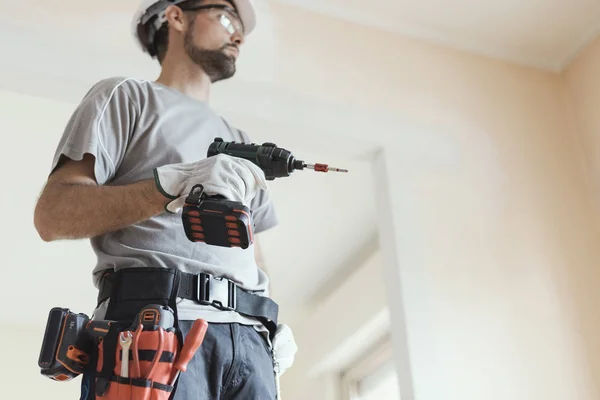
284 348
234 178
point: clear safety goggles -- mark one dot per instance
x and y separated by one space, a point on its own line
222 13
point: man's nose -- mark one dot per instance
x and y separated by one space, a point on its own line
237 38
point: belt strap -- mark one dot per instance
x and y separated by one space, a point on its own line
151 283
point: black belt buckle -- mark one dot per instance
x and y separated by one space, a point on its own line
216 292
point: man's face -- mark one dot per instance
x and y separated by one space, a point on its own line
212 40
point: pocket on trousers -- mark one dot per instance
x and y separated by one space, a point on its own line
260 336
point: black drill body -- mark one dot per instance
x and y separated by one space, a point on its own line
274 161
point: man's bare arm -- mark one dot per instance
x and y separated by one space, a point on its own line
74 206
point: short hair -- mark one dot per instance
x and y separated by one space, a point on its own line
161 42
161 38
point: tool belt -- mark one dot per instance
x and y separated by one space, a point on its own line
138 351
130 289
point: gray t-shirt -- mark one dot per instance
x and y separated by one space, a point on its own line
131 127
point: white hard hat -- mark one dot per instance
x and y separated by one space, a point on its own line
150 16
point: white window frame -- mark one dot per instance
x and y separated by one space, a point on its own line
366 365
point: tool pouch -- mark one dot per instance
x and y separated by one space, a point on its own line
151 353
216 221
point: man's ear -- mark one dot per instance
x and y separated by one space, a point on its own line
176 18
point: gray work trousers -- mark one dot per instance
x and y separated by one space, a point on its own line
234 362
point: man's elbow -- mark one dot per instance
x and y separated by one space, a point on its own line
44 232
42 225
46 237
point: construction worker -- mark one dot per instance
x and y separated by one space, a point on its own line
129 155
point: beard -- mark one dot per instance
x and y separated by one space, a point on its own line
215 63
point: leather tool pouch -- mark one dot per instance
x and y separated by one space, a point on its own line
154 333
137 362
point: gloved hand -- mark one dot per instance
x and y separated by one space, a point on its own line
234 178
284 348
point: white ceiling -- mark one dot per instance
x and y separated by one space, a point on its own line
321 236
540 33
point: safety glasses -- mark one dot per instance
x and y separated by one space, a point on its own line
222 13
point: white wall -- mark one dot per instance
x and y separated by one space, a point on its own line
493 230
20 375
33 284
52 274
583 90
336 332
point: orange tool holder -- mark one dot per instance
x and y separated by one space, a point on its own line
146 357
154 363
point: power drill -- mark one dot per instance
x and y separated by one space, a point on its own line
217 221
274 161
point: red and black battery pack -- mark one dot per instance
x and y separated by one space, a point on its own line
216 221
63 355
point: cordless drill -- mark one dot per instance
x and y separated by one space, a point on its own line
217 221
274 161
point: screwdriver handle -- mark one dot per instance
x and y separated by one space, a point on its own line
192 343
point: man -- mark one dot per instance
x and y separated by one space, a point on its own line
129 155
